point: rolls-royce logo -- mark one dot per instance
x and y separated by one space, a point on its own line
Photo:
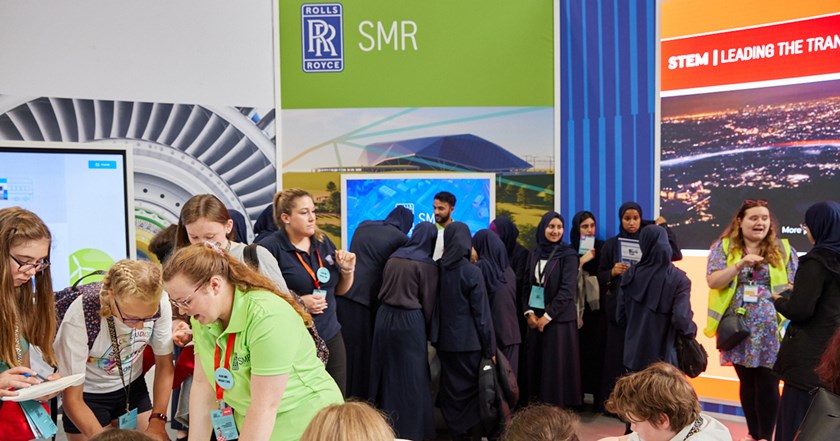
322 28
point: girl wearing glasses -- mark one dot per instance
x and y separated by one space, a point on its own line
26 309
746 265
129 314
254 354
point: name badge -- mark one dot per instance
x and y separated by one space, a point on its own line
128 421
224 378
751 294
319 292
38 419
224 426
537 299
323 275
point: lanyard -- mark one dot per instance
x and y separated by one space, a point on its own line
541 271
220 393
309 268
118 359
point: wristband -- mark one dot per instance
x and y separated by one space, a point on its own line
160 416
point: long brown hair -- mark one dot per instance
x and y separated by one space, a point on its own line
199 262
769 246
285 201
829 368
34 312
200 206
131 279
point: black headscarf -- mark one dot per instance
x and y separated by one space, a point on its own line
401 218
544 246
240 228
574 233
621 210
507 231
492 258
456 245
653 276
823 220
421 244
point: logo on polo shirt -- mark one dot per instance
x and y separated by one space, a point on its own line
236 361
322 28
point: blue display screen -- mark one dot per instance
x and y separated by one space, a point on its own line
373 198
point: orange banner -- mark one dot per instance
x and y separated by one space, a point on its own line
774 52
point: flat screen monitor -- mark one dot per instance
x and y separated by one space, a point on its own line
83 192
373 196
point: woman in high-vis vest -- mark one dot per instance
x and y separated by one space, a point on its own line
746 265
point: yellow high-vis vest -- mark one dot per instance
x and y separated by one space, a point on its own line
719 299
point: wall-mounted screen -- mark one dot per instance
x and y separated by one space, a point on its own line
373 196
82 192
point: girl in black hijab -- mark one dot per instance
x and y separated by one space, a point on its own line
812 307
500 282
462 331
399 377
593 332
552 340
655 296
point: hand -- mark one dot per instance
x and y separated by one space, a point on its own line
181 333
346 261
157 429
493 359
14 378
660 220
619 269
748 260
532 321
53 377
542 322
314 304
587 256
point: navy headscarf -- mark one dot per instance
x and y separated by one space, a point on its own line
574 233
240 229
507 231
492 258
647 281
420 245
456 245
265 222
823 220
544 246
401 218
621 210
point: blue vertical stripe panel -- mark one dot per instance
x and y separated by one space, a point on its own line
607 108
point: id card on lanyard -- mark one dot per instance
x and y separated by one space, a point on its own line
751 289
537 298
128 420
224 425
319 277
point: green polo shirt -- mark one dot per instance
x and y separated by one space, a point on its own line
270 340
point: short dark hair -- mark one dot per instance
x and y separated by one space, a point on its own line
447 197
542 423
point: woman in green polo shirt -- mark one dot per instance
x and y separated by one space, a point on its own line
272 373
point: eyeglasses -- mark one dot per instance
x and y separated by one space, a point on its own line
185 304
26 266
134 321
761 202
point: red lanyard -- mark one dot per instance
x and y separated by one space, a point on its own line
309 268
228 351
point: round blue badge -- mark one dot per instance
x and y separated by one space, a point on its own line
323 275
224 378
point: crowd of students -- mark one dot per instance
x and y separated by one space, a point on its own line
280 331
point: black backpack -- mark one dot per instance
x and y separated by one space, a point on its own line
253 260
90 304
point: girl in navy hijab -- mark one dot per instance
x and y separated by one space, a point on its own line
655 299
812 307
500 282
463 331
593 333
399 377
552 342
